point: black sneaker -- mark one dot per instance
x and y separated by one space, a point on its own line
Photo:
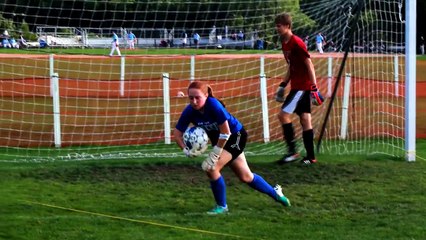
290 157
307 161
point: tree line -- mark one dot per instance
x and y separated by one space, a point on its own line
309 15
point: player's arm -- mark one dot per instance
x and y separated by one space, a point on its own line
286 79
316 97
279 94
224 134
214 155
311 71
178 135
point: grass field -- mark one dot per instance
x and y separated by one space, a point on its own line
342 197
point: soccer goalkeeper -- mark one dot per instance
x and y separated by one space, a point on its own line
228 137
303 91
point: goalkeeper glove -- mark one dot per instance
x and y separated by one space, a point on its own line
210 162
191 152
316 98
279 95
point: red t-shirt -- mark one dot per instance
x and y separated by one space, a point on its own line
295 54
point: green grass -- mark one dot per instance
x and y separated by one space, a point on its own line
421 57
342 197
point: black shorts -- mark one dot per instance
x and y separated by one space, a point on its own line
236 143
297 101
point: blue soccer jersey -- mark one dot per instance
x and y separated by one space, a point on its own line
114 37
213 115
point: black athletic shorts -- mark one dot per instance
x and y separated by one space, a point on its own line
297 101
236 143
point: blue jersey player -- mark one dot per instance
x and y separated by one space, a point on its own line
228 139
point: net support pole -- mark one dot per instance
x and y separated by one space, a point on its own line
166 99
51 72
410 81
329 76
122 72
396 75
345 106
192 73
346 46
264 99
56 111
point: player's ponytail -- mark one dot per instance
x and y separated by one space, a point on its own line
210 92
205 88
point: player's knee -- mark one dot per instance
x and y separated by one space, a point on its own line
246 178
284 117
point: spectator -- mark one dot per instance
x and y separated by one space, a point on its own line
196 38
422 45
22 42
382 46
213 35
240 36
184 39
171 37
163 43
234 36
131 40
319 41
114 45
6 43
13 43
306 41
259 44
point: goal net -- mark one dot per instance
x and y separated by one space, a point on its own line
64 98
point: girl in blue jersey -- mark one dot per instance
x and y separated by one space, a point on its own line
228 139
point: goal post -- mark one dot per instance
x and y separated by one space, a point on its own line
126 106
410 89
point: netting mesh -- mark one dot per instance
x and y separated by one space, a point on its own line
116 107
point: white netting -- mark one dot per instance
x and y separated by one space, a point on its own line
117 108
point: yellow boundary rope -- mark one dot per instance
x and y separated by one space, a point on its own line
135 220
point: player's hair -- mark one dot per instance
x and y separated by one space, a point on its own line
283 19
205 88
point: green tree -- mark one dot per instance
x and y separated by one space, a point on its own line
6 24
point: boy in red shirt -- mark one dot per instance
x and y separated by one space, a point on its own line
303 91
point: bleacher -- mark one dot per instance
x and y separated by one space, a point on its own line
66 37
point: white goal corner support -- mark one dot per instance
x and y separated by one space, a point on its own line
410 81
329 76
166 103
192 73
51 72
396 75
264 99
122 73
345 106
54 79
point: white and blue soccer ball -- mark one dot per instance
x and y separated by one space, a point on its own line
196 139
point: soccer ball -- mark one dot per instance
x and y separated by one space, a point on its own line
180 94
195 138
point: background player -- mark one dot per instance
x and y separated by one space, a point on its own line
228 137
114 45
319 39
131 40
301 73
